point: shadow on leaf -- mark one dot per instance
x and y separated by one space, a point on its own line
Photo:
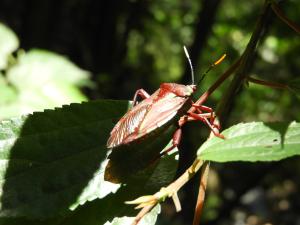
281 128
53 158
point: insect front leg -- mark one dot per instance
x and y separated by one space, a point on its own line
203 108
215 128
206 109
142 93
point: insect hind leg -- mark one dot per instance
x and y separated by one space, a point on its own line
175 141
142 93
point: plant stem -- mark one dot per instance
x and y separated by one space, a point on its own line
242 65
268 83
201 193
286 20
172 189
186 176
141 214
245 64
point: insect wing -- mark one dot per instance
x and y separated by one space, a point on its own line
128 124
145 117
161 112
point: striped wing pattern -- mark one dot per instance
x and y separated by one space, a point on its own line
144 118
127 125
161 112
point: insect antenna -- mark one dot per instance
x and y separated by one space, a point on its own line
190 62
210 67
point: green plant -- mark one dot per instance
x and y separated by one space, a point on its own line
37 79
53 161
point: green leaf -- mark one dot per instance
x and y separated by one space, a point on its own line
54 160
254 141
112 207
52 167
148 219
43 80
8 44
8 93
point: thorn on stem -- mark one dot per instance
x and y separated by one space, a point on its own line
176 202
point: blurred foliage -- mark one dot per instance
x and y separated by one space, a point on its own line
37 79
8 44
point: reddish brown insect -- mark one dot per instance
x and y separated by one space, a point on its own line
156 110
170 102
151 113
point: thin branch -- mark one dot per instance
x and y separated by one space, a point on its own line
268 83
148 202
141 214
284 18
176 202
245 63
186 176
201 193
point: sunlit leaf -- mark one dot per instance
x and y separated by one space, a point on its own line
52 167
8 93
112 207
148 219
254 141
8 44
43 80
54 160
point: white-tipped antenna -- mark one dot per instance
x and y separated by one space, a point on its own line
190 62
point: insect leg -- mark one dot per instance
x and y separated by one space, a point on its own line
142 93
203 115
203 108
175 141
206 109
214 127
213 116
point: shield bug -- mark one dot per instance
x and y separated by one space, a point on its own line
166 110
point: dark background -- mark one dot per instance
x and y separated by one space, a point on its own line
135 44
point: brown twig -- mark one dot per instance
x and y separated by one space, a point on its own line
268 83
141 214
245 63
242 66
201 193
148 202
284 18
